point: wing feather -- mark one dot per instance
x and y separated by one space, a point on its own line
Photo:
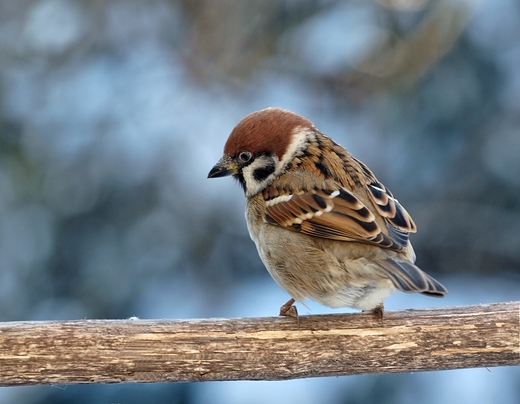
408 278
325 210
399 222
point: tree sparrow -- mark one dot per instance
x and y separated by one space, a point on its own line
323 225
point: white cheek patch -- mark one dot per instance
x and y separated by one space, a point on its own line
252 185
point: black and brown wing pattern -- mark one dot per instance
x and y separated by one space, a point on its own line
323 209
399 221
406 277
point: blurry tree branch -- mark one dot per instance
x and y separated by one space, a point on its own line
112 351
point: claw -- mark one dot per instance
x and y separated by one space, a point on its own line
289 310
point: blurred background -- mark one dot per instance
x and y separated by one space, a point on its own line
112 113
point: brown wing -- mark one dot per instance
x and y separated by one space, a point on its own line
323 209
399 221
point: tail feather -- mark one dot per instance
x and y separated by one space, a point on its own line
406 277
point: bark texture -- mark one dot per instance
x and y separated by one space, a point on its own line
113 351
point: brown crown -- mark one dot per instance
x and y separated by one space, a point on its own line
269 130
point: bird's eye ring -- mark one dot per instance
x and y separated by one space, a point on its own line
245 156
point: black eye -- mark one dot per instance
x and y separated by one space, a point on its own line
245 156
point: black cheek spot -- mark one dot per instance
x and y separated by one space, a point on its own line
262 173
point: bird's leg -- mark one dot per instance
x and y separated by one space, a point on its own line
289 310
378 312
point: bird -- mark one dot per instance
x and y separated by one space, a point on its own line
324 226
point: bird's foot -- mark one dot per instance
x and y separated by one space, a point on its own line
378 312
289 310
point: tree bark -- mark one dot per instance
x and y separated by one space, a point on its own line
113 351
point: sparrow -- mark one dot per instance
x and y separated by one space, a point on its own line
324 226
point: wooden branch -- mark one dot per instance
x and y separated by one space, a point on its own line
112 351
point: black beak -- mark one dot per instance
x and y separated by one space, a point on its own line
224 167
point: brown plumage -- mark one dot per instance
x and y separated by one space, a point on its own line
324 226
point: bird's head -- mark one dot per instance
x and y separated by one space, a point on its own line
261 146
